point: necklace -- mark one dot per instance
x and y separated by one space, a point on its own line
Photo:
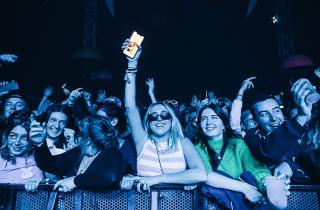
158 155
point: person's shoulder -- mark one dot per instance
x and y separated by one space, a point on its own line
252 131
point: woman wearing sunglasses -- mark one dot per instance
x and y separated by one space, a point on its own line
164 155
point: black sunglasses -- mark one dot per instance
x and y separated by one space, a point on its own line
155 116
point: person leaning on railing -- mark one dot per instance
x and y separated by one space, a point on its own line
17 163
230 164
164 155
95 164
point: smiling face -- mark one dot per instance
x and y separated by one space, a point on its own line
56 124
211 124
18 142
13 104
159 120
268 114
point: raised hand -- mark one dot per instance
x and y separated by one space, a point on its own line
132 62
10 58
3 83
75 94
212 98
246 85
150 84
70 136
86 96
65 90
48 92
37 132
300 90
195 102
101 97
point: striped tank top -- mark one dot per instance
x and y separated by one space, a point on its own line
148 162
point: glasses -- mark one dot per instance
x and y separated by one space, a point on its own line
155 116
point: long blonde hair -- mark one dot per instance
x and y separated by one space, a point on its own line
176 133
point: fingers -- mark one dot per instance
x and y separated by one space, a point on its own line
126 184
126 44
250 78
317 72
57 185
139 187
190 187
31 185
281 176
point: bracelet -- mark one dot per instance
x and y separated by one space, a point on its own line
131 70
45 181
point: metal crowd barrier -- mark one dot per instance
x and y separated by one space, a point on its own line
161 197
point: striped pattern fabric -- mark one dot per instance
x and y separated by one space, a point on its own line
171 161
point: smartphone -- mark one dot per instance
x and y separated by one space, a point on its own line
8 87
136 41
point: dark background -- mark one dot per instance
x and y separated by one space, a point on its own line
189 45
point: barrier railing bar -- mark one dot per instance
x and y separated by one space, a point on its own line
78 200
52 200
131 199
154 199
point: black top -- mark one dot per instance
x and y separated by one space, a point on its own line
106 170
278 146
129 154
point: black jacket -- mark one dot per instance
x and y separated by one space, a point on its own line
106 170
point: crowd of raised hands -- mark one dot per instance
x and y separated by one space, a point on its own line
255 150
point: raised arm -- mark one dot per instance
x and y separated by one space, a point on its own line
45 102
138 134
236 107
150 84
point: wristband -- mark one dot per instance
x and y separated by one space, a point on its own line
131 70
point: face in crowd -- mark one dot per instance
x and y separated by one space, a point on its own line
211 124
268 114
248 121
18 142
191 118
56 124
159 120
13 104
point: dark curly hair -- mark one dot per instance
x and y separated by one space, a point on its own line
17 118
